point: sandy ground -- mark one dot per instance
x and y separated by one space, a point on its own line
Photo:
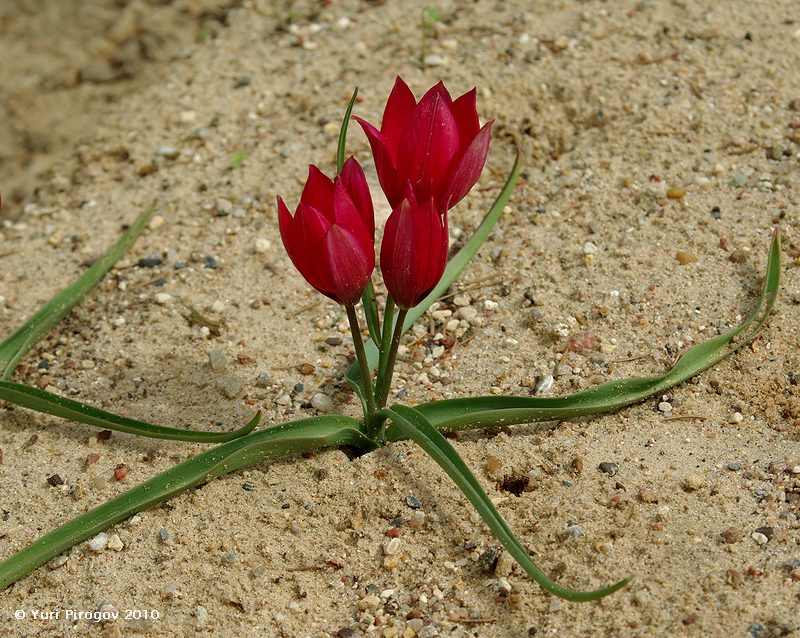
647 129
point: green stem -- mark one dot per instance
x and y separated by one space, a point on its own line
366 375
385 381
386 337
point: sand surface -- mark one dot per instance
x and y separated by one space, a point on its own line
647 129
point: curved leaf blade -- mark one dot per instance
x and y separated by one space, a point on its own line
28 335
412 424
48 403
288 438
478 412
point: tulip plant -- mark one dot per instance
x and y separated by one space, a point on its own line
428 155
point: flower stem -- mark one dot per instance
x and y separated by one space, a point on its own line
366 376
386 337
385 380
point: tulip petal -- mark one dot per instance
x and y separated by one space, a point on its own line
355 182
429 142
311 230
399 107
384 164
285 225
466 171
349 264
318 191
465 111
348 217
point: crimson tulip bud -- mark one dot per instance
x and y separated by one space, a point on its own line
437 145
330 239
414 250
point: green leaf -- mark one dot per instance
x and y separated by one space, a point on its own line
288 438
28 335
411 424
371 313
341 146
237 159
41 401
454 267
480 412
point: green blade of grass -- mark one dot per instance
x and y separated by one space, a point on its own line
411 424
28 335
41 401
288 438
454 266
488 411
371 313
341 146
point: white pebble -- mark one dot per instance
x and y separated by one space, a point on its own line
736 418
490 305
589 248
665 406
263 245
115 543
162 298
759 538
322 402
392 547
99 542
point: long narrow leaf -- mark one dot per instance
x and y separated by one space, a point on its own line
288 438
454 266
342 143
41 401
479 412
411 424
29 334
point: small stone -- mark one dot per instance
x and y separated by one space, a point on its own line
230 385
589 248
759 538
115 543
434 60
766 531
413 503
665 406
262 245
120 473
322 402
150 261
685 258
694 482
369 603
775 152
334 341
58 561
162 298
732 535
209 261
263 380
493 464
468 314
156 223
55 480
417 520
217 360
609 468
99 542
542 383
736 417
392 547
504 566
231 557
306 368
738 256
163 535
676 192
201 615
170 152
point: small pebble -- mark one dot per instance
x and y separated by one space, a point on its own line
99 542
759 538
334 341
201 615
120 473
322 402
170 152
115 543
694 482
150 262
306 368
542 383
413 503
732 535
55 480
162 298
263 380
665 406
156 223
589 248
766 531
493 464
58 561
369 603
217 360
230 385
392 547
676 192
736 418
609 468
734 467
210 262
262 245
685 258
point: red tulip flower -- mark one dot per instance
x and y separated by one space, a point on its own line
330 239
414 250
437 145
